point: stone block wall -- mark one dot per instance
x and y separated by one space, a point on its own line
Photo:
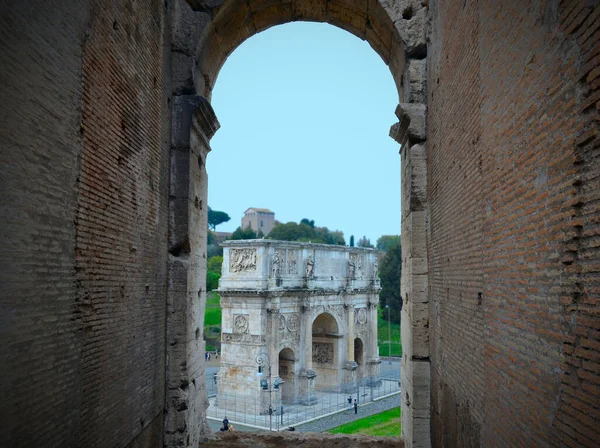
513 184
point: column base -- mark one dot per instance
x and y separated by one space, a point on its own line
374 372
349 371
307 388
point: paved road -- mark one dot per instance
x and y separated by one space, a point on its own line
325 423
333 421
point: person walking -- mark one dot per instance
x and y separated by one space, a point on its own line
349 402
355 406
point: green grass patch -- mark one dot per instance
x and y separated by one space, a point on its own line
387 424
212 316
384 335
212 321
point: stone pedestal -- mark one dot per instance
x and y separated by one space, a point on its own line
374 372
349 377
307 387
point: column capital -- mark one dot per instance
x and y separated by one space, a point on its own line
205 121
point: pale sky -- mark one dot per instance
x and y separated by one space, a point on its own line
305 111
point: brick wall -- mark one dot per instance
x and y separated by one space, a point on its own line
85 140
513 188
121 222
40 110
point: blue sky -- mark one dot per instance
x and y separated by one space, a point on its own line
305 111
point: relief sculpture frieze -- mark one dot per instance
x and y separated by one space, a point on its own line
360 317
248 339
240 323
293 323
322 353
242 260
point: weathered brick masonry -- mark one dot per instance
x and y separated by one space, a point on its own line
40 104
514 197
103 150
85 128
121 222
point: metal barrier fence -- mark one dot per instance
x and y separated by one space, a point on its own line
252 412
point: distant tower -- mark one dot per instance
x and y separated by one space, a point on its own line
257 219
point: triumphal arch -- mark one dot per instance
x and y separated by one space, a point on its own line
309 311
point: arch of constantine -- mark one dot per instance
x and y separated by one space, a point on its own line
310 308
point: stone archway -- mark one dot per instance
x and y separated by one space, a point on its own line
204 34
287 372
326 351
358 351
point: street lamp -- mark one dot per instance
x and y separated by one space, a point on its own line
267 384
387 307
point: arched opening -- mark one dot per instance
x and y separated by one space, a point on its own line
287 372
358 351
326 354
228 25
238 20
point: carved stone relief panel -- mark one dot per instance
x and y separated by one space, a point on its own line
359 266
240 323
247 339
242 260
322 353
281 323
360 316
293 323
291 262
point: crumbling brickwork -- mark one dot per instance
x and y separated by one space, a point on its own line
514 223
121 222
104 187
84 171
40 85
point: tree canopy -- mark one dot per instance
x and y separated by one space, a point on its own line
390 271
386 241
246 233
215 218
364 242
306 231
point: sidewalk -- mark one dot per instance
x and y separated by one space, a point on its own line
365 410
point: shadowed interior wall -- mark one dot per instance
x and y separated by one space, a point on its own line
85 133
121 221
514 195
40 75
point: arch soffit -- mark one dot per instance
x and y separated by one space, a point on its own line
326 313
287 347
237 20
